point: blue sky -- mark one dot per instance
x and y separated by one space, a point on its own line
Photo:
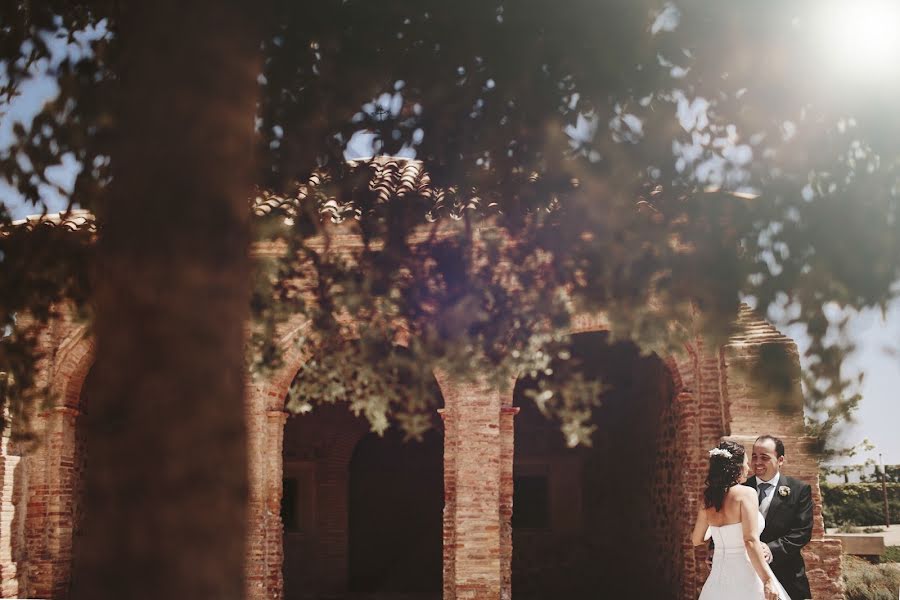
877 337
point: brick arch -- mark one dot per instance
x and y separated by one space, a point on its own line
267 418
294 356
596 323
665 531
55 471
344 447
78 351
317 450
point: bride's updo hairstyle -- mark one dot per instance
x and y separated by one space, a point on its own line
726 462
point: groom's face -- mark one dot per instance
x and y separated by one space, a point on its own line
765 461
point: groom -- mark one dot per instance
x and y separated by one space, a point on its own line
787 505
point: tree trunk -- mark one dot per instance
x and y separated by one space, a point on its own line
166 475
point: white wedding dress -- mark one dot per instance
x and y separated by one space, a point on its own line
733 576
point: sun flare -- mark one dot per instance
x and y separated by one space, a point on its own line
862 37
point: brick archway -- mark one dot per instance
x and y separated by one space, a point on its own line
267 425
54 470
314 511
74 363
585 517
711 400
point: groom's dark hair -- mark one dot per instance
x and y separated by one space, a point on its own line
779 445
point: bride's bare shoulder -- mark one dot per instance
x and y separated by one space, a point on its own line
742 491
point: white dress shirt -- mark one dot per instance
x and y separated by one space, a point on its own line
769 493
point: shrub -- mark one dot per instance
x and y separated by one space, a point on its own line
865 581
858 504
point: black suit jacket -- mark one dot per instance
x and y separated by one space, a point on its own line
788 528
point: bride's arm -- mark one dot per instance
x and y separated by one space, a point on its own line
750 526
700 527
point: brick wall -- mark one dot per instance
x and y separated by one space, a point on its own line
472 480
711 393
766 400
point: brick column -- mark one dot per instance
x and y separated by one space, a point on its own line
265 434
50 506
273 468
687 418
507 449
472 484
255 561
35 579
61 496
449 524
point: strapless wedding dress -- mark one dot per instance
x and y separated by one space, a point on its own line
733 576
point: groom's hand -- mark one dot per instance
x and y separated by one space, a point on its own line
767 553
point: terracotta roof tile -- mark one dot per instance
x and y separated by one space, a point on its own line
393 178
73 220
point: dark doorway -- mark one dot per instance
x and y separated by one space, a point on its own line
362 513
599 521
396 506
316 453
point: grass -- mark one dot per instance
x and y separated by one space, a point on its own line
891 554
865 581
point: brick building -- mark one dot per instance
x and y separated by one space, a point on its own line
337 512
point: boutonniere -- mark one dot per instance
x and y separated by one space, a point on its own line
784 491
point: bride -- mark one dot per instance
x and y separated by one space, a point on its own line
730 513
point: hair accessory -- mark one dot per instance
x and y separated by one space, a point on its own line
720 452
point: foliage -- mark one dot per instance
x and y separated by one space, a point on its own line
826 469
867 472
891 474
858 504
865 581
638 158
43 268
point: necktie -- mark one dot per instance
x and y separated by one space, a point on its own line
762 490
